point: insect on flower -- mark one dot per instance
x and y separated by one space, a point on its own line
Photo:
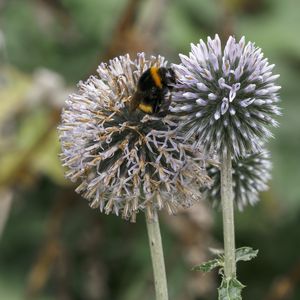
128 161
153 94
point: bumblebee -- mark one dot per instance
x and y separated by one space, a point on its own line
153 93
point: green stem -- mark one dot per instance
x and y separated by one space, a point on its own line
228 215
157 256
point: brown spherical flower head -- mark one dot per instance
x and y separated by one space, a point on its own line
126 161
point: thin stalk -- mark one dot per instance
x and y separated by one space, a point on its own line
228 215
157 256
6 199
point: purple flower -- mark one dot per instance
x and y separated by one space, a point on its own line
227 99
250 175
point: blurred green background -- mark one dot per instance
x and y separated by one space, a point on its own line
52 245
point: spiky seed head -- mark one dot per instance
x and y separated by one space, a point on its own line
250 175
227 98
126 161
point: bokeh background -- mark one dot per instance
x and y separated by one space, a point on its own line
52 245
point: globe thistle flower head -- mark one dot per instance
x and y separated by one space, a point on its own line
227 98
250 175
126 161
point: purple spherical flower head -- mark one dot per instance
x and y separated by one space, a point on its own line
250 176
227 99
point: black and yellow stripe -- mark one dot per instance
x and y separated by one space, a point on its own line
154 71
152 90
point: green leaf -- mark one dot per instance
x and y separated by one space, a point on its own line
209 265
245 254
230 289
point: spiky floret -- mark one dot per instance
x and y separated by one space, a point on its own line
227 98
126 161
250 176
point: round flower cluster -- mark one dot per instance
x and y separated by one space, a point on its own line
126 161
226 98
250 175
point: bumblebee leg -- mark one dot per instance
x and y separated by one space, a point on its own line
134 103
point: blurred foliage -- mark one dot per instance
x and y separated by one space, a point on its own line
53 246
